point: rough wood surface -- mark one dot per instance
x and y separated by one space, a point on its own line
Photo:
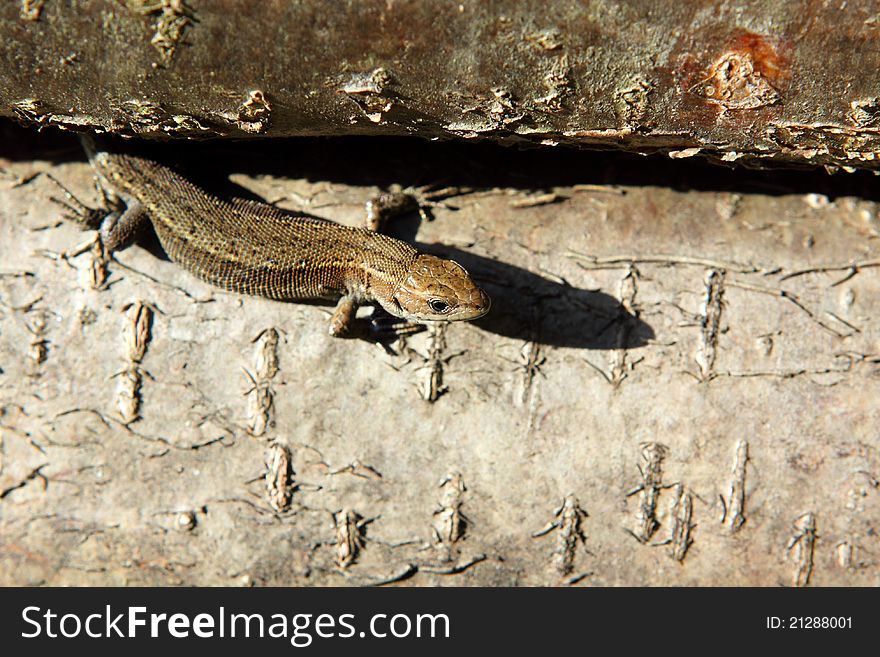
749 82
677 385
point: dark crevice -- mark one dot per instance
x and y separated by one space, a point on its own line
416 162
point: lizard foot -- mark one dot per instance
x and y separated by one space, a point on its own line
80 213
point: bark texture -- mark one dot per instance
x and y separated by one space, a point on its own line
751 82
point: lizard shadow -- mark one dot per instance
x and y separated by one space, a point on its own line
527 306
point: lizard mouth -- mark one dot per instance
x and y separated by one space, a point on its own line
473 310
477 305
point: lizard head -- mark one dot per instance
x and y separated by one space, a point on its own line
435 289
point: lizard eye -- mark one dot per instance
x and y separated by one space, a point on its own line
438 306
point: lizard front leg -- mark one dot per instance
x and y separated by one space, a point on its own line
345 324
343 320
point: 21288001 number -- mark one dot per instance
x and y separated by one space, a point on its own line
819 622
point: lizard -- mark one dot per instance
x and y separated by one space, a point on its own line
258 249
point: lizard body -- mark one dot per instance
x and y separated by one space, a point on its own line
258 249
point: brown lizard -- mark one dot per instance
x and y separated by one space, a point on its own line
256 248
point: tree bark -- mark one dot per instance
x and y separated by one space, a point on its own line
751 82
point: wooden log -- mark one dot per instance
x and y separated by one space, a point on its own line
750 82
